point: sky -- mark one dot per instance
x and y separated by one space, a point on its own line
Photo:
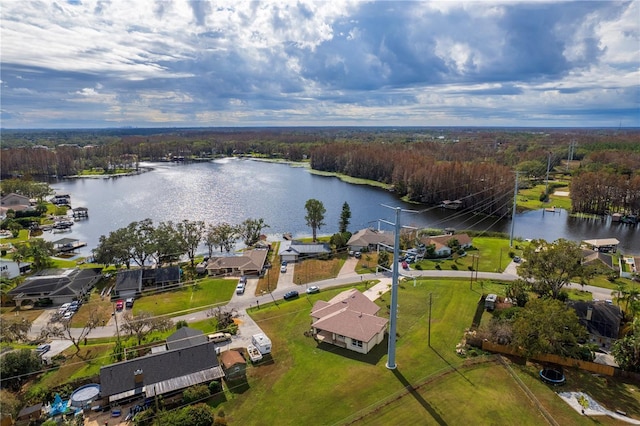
139 63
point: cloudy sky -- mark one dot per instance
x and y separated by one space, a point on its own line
305 63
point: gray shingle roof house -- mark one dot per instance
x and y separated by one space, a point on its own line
348 320
250 262
601 319
161 373
369 239
59 285
185 337
292 251
130 282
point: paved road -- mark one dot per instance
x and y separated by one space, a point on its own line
347 275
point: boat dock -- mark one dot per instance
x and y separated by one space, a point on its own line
67 245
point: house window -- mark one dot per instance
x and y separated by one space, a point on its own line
357 343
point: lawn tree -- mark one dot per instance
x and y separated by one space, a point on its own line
12 330
141 241
63 330
339 240
169 243
222 320
40 251
142 324
223 235
250 230
384 259
315 215
551 266
345 218
548 326
114 249
626 351
17 366
191 232
518 291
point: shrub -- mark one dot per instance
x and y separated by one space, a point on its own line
438 267
511 254
454 267
195 393
418 267
215 387
181 323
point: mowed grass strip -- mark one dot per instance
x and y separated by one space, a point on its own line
310 270
200 295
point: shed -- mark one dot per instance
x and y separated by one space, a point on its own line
233 364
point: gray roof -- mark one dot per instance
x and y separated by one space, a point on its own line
129 280
185 337
52 283
295 247
366 237
166 371
605 318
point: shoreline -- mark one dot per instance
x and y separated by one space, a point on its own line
109 176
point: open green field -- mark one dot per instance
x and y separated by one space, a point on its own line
309 383
529 199
201 295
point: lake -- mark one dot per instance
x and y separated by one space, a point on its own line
232 190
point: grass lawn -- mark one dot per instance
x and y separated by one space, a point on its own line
529 199
311 270
86 364
103 308
206 293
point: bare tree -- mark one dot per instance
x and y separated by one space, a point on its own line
14 331
63 330
143 323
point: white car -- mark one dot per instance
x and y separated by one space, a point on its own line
240 288
283 268
63 308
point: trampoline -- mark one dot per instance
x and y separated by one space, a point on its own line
85 395
552 376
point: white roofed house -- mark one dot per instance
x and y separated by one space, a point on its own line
349 321
605 245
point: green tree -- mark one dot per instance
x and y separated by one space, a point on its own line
250 230
140 241
547 326
345 218
518 291
223 235
41 251
315 215
199 415
16 366
195 394
114 249
169 243
191 232
626 351
551 266
384 259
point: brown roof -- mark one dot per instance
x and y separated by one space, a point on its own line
367 236
249 260
231 358
463 239
349 314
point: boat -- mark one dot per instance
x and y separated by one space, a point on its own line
254 353
287 236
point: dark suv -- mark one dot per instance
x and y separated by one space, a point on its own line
290 295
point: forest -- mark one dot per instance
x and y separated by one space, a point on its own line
426 165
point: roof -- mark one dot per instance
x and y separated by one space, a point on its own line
231 358
602 242
128 280
185 337
64 241
590 256
249 260
350 314
165 371
366 237
463 239
296 247
605 318
60 282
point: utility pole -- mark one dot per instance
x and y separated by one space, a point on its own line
546 189
395 273
513 211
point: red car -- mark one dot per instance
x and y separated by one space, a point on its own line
405 265
119 305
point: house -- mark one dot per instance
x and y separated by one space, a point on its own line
162 373
10 269
370 240
15 202
58 285
250 262
349 321
292 251
233 364
185 337
605 245
601 319
441 243
590 257
131 282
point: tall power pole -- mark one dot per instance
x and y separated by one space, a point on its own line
395 274
513 212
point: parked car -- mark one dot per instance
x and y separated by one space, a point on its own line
67 315
219 337
243 280
405 265
129 303
313 289
120 305
517 259
63 308
240 288
42 349
357 255
283 269
290 295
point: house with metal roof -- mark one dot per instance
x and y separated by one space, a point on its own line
163 373
58 285
292 251
349 321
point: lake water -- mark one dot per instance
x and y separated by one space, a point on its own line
232 190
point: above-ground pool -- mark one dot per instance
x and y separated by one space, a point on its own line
85 395
553 376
